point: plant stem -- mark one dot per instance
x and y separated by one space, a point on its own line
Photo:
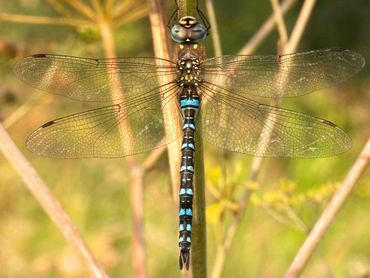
329 213
290 46
48 202
136 171
199 236
45 20
214 28
187 7
170 111
265 29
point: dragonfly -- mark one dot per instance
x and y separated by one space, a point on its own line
222 95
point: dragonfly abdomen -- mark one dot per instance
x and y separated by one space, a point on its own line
189 102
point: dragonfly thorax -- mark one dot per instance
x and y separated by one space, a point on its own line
188 72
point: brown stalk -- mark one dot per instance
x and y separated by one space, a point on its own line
48 202
215 35
109 5
104 20
136 171
124 7
131 15
265 29
224 247
60 8
330 212
45 20
170 111
81 8
283 33
21 111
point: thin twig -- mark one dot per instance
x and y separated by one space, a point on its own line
22 110
60 8
109 5
329 213
153 157
170 111
82 8
214 28
283 33
224 247
265 30
300 25
45 20
136 172
49 203
132 15
124 7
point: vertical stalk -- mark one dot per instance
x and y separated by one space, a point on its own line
214 28
199 239
199 235
187 7
289 47
136 172
170 111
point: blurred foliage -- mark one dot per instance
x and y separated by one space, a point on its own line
284 203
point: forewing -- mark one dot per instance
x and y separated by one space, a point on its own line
113 131
93 79
282 76
242 125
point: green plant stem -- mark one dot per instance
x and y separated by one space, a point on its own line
187 7
199 239
199 236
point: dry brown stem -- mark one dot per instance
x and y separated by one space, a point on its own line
170 111
45 20
225 245
48 202
214 28
136 172
265 29
82 8
330 212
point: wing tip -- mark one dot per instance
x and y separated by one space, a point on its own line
353 56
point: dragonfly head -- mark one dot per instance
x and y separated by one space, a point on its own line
189 30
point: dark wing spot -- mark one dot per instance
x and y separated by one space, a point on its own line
39 56
48 124
328 123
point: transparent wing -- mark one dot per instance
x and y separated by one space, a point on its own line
113 131
93 79
242 125
284 75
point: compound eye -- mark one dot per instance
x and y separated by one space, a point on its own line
178 34
198 33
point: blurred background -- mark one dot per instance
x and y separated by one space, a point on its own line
283 205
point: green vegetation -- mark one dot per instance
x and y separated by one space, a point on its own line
284 202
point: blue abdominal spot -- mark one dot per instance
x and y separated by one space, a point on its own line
189 102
